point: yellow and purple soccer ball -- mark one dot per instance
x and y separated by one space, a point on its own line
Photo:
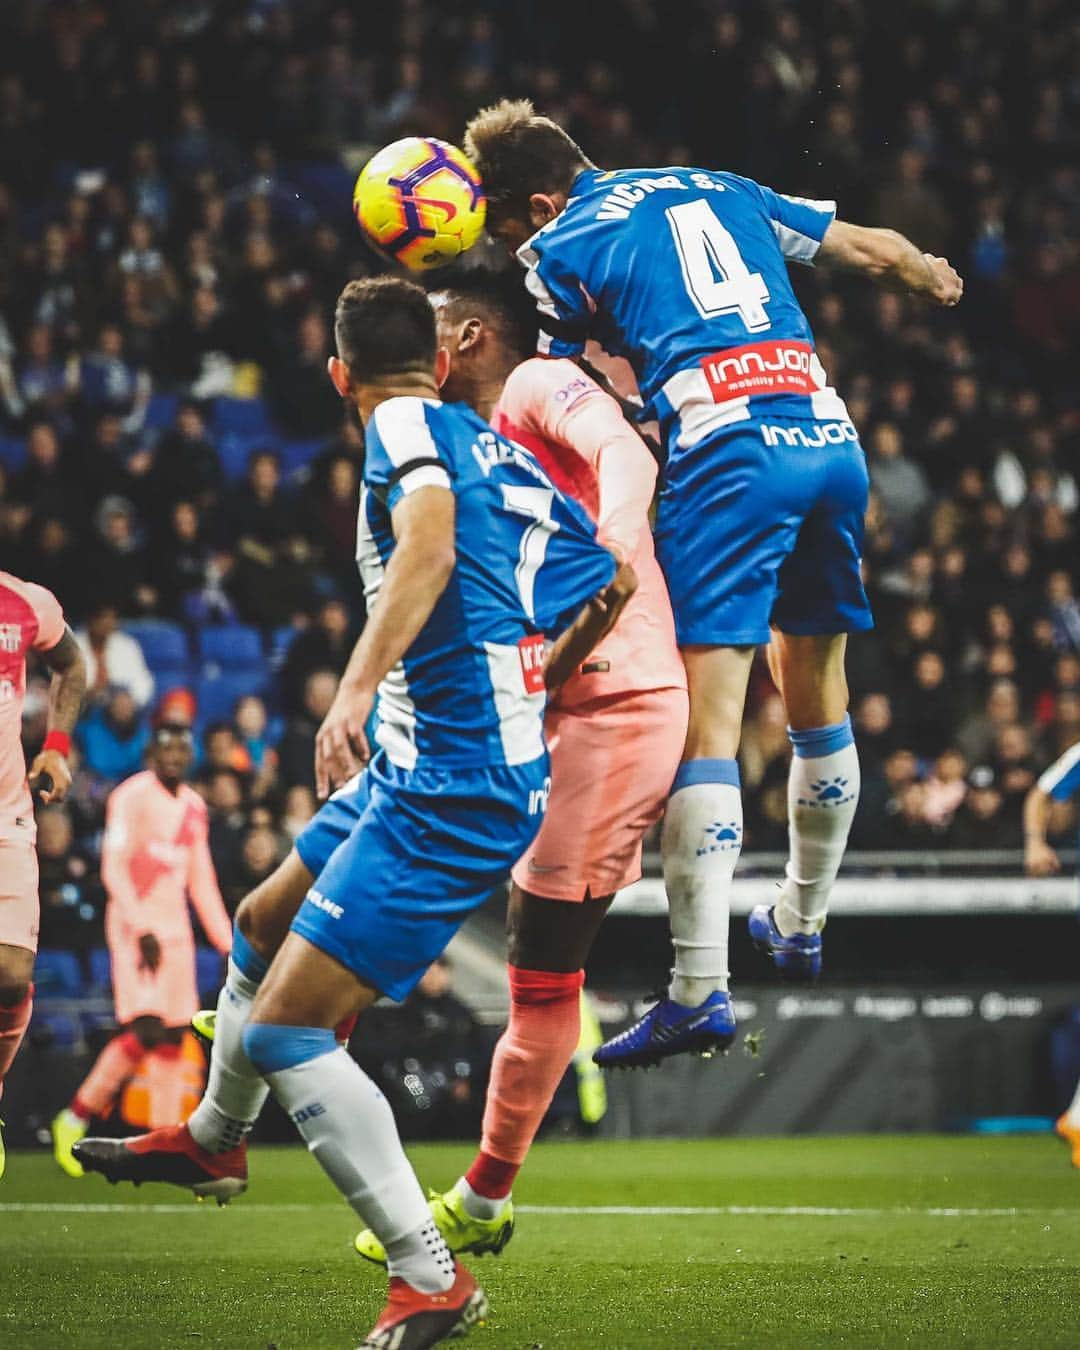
421 202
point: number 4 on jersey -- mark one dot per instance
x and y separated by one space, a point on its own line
706 248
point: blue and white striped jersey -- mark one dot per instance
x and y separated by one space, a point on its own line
682 271
469 691
1062 779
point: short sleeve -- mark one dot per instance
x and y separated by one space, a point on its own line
51 624
401 453
563 307
798 223
540 396
1062 779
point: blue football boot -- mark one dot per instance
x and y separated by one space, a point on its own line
796 958
669 1028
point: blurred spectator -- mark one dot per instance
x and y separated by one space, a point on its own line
982 822
71 894
113 737
324 645
297 749
113 658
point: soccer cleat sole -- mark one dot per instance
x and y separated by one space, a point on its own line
707 1047
116 1163
474 1314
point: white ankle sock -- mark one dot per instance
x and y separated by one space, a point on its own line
235 1090
347 1124
477 1205
700 846
823 793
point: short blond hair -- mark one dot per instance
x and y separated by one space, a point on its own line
517 152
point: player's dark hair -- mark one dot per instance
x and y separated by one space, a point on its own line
384 326
517 153
499 297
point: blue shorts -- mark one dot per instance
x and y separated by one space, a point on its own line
762 525
402 856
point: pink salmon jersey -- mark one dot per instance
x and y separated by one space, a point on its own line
589 451
30 620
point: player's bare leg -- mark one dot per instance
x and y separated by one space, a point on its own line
208 1154
823 794
16 1005
347 1124
548 942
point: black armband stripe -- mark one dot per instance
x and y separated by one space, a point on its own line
425 462
566 329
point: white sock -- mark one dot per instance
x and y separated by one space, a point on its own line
347 1124
235 1090
1072 1111
823 793
700 845
477 1205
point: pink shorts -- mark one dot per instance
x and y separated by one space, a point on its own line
612 765
19 912
170 992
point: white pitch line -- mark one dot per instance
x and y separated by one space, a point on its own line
586 1211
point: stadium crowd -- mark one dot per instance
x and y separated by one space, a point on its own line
174 464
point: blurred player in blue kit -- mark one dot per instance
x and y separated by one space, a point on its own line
1059 783
760 519
470 560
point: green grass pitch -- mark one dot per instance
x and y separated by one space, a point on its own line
861 1242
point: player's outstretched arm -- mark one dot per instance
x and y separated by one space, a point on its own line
68 664
891 260
594 622
1040 860
416 575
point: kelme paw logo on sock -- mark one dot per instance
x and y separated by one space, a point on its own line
828 792
721 837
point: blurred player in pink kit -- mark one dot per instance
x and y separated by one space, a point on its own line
31 620
615 730
154 857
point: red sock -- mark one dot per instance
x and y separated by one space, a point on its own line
530 1060
112 1069
13 1023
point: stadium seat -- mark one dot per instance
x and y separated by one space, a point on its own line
209 970
161 412
296 455
281 639
217 695
64 1028
247 417
100 970
235 449
57 974
232 646
12 451
164 644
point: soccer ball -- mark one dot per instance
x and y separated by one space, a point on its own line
420 201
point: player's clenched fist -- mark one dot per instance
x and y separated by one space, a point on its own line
341 747
53 765
948 285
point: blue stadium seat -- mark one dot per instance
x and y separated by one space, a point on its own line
248 417
234 451
297 455
218 695
281 639
164 644
12 451
161 411
100 970
209 970
57 974
232 646
65 1027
